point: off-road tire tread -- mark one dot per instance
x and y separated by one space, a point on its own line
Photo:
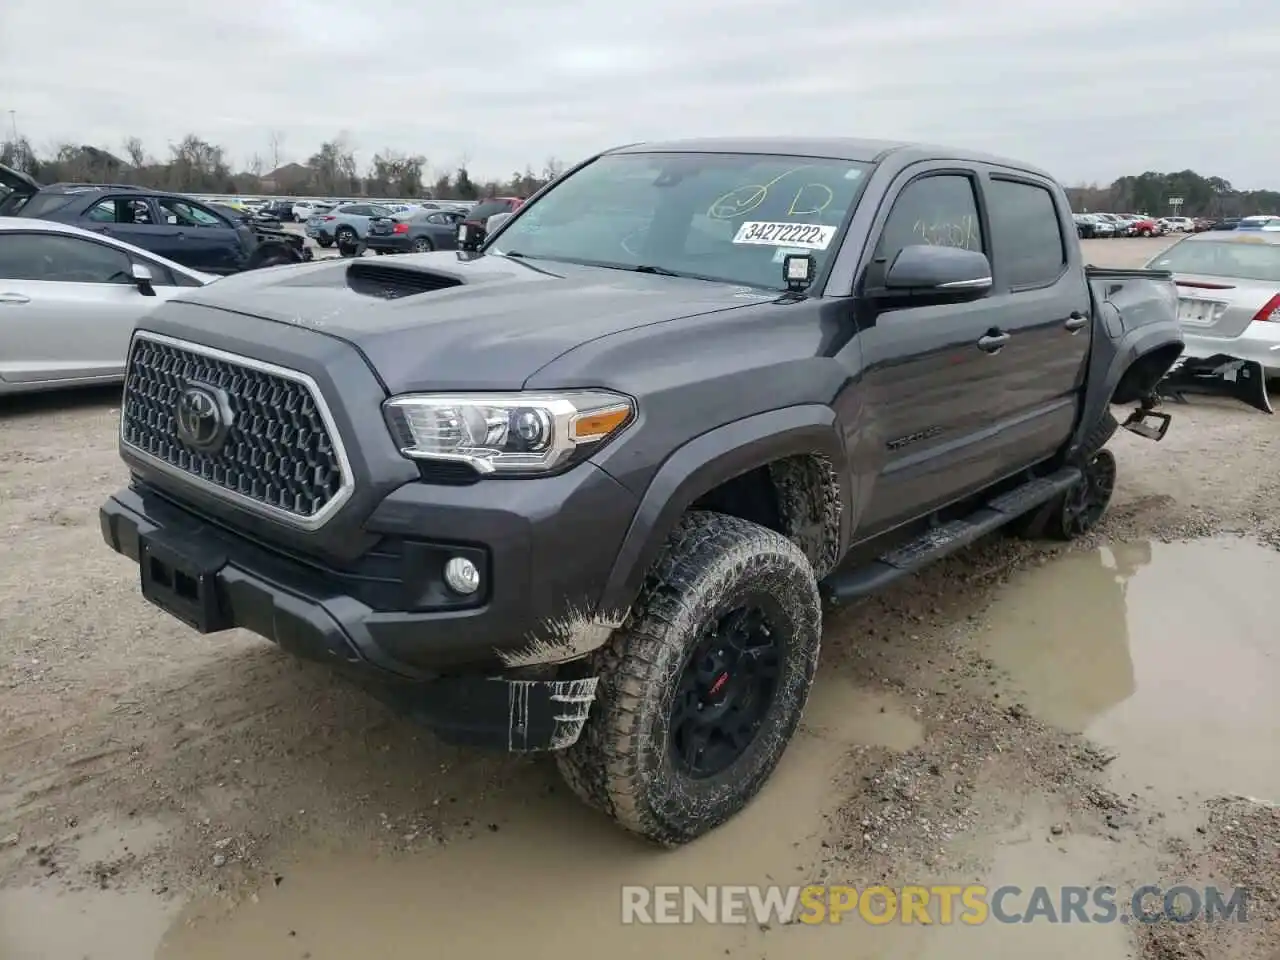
603 767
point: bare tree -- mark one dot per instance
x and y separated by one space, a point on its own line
276 140
256 165
136 152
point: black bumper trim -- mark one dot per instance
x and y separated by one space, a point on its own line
484 709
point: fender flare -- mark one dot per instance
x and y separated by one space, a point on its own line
1109 362
709 460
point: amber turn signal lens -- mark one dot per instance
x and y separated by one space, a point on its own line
597 424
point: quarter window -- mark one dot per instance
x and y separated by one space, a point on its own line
938 210
1027 236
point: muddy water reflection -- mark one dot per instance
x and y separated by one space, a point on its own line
1167 653
548 883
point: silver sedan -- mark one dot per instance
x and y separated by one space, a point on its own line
1228 294
69 300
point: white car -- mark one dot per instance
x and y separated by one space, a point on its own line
69 300
1179 224
304 210
1228 294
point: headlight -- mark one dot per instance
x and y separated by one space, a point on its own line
512 433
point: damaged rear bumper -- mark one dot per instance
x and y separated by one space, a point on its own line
469 685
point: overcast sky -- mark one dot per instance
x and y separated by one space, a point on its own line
1089 89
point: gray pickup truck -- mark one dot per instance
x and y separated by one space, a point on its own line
588 485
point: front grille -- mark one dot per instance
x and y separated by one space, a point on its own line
278 454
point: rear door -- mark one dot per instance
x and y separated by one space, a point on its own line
934 401
67 307
1041 299
134 220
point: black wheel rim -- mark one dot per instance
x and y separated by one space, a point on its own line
1088 499
727 688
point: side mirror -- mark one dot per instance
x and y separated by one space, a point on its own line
143 280
924 270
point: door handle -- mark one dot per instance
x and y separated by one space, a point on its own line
993 342
14 298
1076 321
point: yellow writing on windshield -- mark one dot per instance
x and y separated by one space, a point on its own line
950 233
742 200
817 196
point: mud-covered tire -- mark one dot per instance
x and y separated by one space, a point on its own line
623 763
1035 525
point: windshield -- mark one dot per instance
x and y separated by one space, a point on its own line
1235 259
729 217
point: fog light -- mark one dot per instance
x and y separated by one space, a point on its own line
462 576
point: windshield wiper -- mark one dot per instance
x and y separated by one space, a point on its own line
659 271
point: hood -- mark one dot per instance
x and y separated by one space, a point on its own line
17 181
16 188
454 321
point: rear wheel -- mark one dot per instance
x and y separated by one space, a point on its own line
700 694
423 245
1078 511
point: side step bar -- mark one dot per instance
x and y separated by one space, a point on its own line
844 586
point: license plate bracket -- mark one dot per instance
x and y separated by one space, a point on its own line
182 579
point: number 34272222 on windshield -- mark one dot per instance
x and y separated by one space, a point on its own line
810 236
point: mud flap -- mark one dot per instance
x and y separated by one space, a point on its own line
1218 376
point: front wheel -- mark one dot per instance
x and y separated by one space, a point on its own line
324 241
701 692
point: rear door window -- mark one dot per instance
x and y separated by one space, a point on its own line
1026 234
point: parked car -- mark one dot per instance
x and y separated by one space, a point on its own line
419 232
304 210
346 225
1224 223
69 299
1098 226
1145 227
1085 226
1259 222
513 508
1178 225
170 225
478 214
282 210
1229 294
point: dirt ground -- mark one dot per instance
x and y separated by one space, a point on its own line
1024 713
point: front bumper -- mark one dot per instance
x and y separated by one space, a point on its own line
1260 344
501 672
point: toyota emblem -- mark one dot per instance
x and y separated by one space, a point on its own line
203 416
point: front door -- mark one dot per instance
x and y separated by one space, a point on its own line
68 306
932 398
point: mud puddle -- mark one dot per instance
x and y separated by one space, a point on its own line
1164 653
551 877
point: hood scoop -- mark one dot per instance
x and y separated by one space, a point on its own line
393 282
